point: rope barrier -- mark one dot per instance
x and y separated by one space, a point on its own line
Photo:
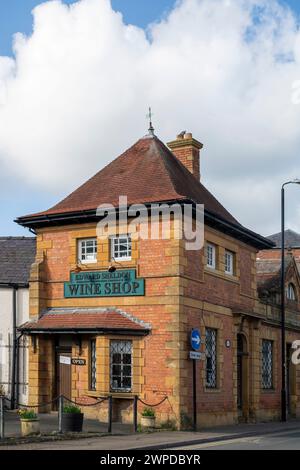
87 404
21 405
152 406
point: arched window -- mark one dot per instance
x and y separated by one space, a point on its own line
291 292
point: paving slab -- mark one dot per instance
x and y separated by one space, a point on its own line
161 440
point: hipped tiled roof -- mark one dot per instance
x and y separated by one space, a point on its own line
147 172
85 320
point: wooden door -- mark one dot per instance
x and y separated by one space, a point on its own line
64 373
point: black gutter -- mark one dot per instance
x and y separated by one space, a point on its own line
75 331
250 237
212 219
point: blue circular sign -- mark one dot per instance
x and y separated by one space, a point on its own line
196 339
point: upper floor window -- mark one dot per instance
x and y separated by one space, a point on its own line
211 255
121 247
229 262
291 292
267 364
87 250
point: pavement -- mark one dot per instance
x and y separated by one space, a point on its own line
222 436
49 425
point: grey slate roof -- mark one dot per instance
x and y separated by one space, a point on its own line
16 257
292 239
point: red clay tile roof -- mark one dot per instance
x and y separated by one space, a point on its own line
147 172
89 319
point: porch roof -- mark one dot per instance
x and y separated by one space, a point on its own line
101 321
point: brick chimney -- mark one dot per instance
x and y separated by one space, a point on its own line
187 150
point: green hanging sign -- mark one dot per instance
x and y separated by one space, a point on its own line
121 283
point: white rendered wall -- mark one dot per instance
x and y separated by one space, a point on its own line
6 321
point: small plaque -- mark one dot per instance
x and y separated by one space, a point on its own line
65 360
77 361
198 356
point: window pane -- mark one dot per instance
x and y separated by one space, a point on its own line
267 364
121 365
87 249
121 247
211 358
93 365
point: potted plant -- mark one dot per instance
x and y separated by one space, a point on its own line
30 423
148 418
72 419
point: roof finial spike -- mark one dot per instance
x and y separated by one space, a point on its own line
149 116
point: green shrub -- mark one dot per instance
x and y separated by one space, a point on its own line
27 414
72 409
148 412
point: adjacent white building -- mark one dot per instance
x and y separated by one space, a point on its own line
17 255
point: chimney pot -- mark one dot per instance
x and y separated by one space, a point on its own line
187 150
188 135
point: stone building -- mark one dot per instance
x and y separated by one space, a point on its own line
112 314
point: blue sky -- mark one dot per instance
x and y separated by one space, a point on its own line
15 15
16 196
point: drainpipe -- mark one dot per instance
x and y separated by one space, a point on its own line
14 349
18 366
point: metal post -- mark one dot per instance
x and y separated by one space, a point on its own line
110 414
194 396
1 417
282 282
135 413
60 412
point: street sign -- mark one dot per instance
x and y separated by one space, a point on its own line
195 339
198 356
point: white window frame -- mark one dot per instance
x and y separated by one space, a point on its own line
229 255
211 265
115 254
80 243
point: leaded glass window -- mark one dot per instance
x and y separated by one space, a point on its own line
121 365
267 364
93 365
211 357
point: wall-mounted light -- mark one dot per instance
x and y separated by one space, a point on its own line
112 267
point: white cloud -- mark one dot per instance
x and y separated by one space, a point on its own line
77 93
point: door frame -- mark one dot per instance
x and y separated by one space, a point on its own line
243 362
61 350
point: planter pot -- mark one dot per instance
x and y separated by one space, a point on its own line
72 422
148 421
30 427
